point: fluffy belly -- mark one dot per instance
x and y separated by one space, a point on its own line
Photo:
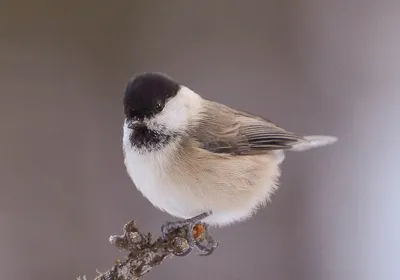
231 190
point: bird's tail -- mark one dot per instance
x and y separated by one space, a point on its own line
313 141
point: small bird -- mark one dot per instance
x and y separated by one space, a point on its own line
199 160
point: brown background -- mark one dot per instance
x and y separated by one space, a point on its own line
312 66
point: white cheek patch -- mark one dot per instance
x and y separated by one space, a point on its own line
179 110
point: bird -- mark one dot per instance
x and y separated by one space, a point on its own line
200 161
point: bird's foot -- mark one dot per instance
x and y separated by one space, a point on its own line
210 244
196 233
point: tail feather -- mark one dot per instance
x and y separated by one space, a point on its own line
313 141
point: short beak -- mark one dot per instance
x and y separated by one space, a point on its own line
135 124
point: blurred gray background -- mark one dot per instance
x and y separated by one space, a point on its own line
312 66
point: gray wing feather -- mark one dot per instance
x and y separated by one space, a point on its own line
225 130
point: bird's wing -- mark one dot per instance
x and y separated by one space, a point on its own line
228 131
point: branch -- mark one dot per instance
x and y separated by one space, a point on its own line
143 253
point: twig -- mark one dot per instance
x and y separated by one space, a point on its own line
143 253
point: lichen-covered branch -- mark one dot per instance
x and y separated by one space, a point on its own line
144 254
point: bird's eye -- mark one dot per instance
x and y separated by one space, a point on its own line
159 106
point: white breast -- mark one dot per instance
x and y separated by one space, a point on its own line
147 171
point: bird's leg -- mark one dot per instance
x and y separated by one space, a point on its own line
168 227
194 231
